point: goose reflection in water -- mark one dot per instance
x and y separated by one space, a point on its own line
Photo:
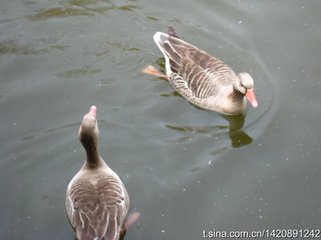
234 129
238 137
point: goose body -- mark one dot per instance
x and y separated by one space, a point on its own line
96 199
202 79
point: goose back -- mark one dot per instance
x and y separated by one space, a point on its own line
97 201
202 79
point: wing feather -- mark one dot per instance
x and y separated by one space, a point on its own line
92 208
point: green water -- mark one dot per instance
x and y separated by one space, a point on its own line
186 170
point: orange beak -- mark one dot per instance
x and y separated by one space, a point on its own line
93 110
250 95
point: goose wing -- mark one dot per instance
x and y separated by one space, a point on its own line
97 209
193 72
193 80
199 57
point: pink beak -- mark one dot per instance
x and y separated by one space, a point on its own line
93 110
250 95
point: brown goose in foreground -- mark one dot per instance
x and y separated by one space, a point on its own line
202 79
96 199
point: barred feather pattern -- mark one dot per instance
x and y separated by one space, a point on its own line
97 204
202 79
96 199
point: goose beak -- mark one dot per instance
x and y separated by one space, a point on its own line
250 95
93 110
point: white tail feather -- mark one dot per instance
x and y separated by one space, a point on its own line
159 39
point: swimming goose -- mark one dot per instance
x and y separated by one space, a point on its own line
202 79
96 199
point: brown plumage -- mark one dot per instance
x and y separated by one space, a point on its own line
96 199
201 78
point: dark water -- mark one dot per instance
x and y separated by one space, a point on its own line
186 170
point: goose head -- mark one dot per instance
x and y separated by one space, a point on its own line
245 85
88 131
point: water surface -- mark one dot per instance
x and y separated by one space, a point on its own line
186 170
